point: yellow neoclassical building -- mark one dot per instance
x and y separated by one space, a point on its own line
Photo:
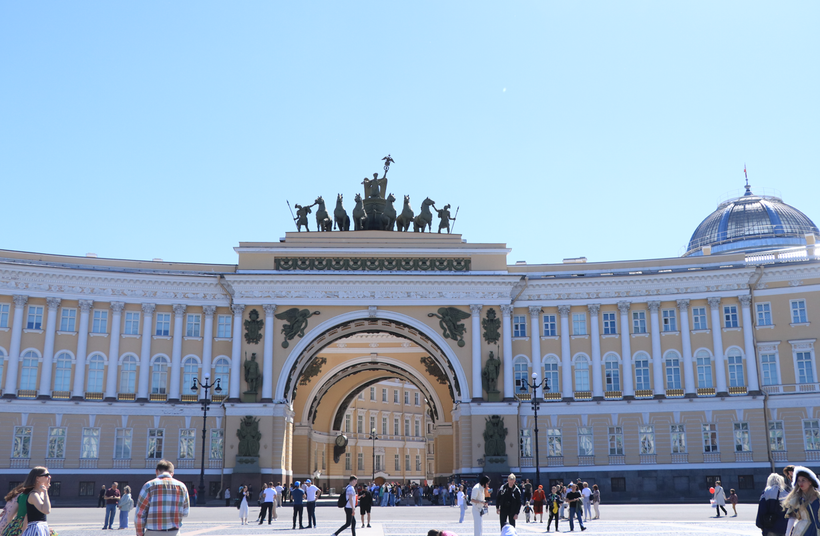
368 351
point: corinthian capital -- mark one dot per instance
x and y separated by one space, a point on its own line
53 303
745 300
476 309
507 310
564 310
623 306
117 307
683 305
594 308
19 300
237 309
209 310
179 309
535 311
714 303
86 305
148 308
653 305
269 309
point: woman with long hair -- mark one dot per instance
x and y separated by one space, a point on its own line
770 519
38 505
802 503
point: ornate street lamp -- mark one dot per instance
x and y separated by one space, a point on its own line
205 401
536 404
374 438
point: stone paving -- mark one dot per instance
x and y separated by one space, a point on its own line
616 520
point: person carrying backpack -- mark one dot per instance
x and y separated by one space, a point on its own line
348 502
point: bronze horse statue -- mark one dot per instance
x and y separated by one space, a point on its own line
389 213
323 221
404 219
359 215
341 220
425 218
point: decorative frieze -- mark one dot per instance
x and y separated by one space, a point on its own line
357 264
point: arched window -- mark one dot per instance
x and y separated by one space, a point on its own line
704 364
735 359
190 369
551 375
128 374
581 373
642 383
613 372
159 375
62 372
672 360
222 372
521 375
28 373
96 372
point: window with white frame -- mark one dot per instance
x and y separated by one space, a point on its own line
418 463
586 445
642 372
768 368
646 439
21 446
156 440
96 373
670 320
703 362
417 428
378 466
396 462
187 443
222 372
223 326
764 314
68 319
805 371
372 394
28 372
190 370
396 430
406 462
347 462
4 315
360 461
521 375
579 323
372 423
159 375
99 322
407 398
678 437
609 324
777 437
672 360
730 316
384 395
90 445
193 327
811 435
519 326
122 443
385 427
359 424
638 321
347 423
395 396
217 444
407 427
735 360
699 318
581 373
741 434
132 323
62 372
551 375
525 443
35 317
56 443
163 325
616 441
416 399
550 326
554 442
799 315
613 373
710 439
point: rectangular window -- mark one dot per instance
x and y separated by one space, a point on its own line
193 327
730 316
554 442
417 399
579 324
811 435
360 462
638 321
156 438
396 427
384 426
418 463
395 396
805 373
525 443
673 373
417 428
372 423
678 433
90 448
56 443
764 314
4 315
68 319
223 327
99 323
746 482
88 489
163 325
377 465
217 447
122 443
406 398
347 462
397 462
384 395
609 324
585 441
616 441
359 424
407 427
704 368
519 326
361 395
699 318
777 437
710 440
613 375
642 373
646 439
372 394
736 378
35 317
670 320
406 462
799 315
617 483
768 365
187 443
347 424
132 323
550 327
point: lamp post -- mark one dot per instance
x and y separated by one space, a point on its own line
536 403
374 438
205 401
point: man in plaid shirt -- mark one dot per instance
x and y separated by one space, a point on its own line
162 504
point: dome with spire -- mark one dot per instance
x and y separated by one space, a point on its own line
751 223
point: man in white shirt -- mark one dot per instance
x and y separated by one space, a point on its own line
350 507
279 490
311 494
268 504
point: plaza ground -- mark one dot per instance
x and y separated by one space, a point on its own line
616 520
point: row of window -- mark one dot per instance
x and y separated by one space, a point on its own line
90 443
677 435
669 320
385 430
416 396
379 462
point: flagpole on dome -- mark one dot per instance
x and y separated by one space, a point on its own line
748 188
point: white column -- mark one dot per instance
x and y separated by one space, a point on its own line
626 350
506 326
748 343
476 387
717 346
82 349
176 351
48 349
267 358
10 389
659 386
686 344
567 391
114 351
535 348
144 384
207 343
236 351
595 339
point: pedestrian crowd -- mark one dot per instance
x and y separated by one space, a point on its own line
789 505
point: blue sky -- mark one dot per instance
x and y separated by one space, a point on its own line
604 129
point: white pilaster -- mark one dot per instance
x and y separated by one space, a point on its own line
207 343
566 354
748 343
10 389
176 351
686 345
626 350
717 346
659 386
236 351
144 384
476 387
48 349
82 349
535 348
506 326
595 339
267 358
114 350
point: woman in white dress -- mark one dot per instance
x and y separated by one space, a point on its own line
243 507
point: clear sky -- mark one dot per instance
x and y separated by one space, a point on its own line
599 129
